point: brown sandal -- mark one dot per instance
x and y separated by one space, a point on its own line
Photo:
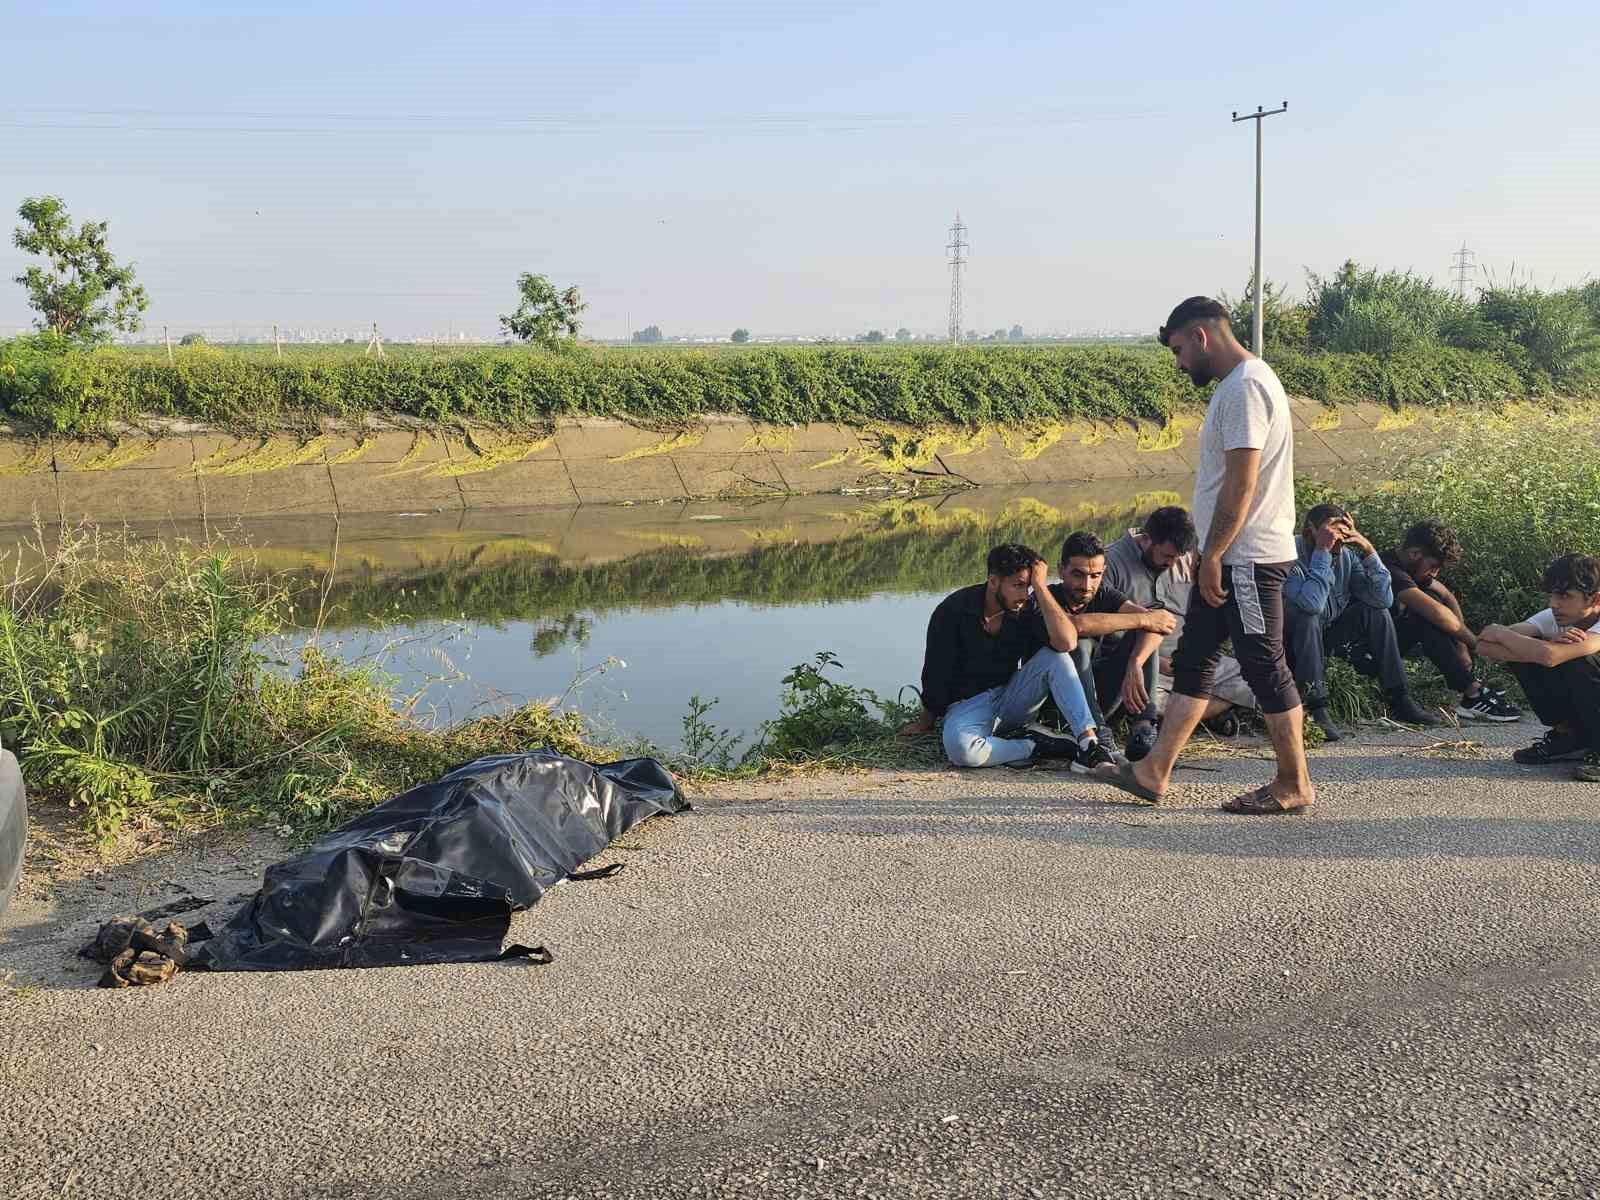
1261 803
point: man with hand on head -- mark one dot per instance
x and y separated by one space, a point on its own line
1337 600
995 650
1244 514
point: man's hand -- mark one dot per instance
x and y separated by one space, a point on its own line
1209 581
922 723
1039 575
1572 635
1349 533
1328 534
1135 696
1159 620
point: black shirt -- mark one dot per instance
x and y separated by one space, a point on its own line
1106 600
1400 579
962 660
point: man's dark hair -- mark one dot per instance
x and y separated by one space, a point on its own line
1435 539
1082 544
1573 573
1006 559
1195 308
1324 512
1170 526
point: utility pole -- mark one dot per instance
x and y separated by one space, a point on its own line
1465 268
167 338
958 248
376 344
276 342
1255 280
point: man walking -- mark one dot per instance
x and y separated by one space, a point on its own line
1244 515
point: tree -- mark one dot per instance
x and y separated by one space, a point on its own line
1016 334
543 313
741 336
902 334
84 294
649 335
872 335
192 339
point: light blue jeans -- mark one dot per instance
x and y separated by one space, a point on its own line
971 725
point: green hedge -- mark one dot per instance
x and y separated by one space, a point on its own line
72 391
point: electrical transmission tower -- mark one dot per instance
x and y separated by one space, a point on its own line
958 259
1465 268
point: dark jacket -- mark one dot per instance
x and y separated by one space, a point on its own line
962 660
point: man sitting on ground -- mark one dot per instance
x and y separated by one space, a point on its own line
1119 641
1337 600
1154 566
1556 657
995 650
1427 613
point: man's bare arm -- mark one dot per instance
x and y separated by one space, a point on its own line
1240 471
1512 644
1434 611
1129 616
1058 625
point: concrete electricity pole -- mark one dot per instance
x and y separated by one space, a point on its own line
1255 280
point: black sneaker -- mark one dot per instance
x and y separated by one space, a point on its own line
1554 747
1141 740
1488 705
1588 771
1049 744
1092 758
1324 720
1404 708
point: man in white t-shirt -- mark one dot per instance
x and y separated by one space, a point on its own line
1244 514
1555 655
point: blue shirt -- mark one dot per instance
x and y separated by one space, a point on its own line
1320 584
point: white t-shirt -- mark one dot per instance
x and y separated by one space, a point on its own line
1249 411
1549 628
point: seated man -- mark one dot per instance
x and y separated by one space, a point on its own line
1336 601
1119 642
1427 613
995 651
1556 657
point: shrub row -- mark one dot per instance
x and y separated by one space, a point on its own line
77 392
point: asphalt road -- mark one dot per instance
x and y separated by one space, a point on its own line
983 984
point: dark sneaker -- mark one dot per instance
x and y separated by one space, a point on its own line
1324 720
1588 771
1404 708
1488 705
1141 740
1555 746
1049 744
1092 758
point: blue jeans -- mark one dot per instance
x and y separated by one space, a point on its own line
970 725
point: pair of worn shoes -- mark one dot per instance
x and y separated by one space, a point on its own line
1563 746
1403 708
1082 758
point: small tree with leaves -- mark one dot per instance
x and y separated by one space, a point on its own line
544 315
741 336
83 294
902 334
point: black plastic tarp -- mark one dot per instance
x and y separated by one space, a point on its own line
435 874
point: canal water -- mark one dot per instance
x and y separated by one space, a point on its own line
625 612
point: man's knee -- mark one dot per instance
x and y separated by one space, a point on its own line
966 747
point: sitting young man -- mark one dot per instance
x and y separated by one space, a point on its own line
1336 601
1154 567
1119 641
1427 613
995 651
1556 657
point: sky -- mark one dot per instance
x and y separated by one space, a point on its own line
791 169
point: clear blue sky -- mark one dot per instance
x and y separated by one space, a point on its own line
791 168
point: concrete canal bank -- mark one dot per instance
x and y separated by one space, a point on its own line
185 473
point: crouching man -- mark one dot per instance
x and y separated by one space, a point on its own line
995 650
1555 655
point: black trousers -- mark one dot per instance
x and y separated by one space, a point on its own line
1452 658
1107 670
1565 695
1363 635
1252 616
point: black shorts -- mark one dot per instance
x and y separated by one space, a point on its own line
1252 616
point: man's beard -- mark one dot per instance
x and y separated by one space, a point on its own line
1200 375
